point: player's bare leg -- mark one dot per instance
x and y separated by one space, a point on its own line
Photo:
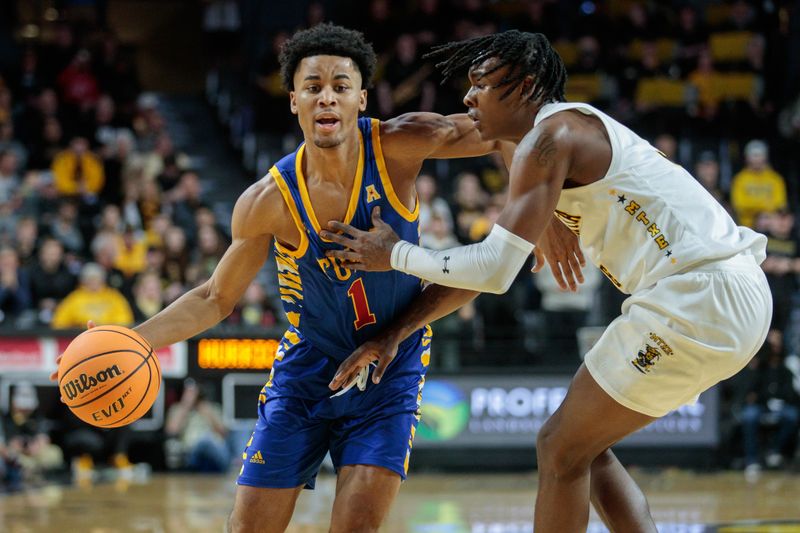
258 510
364 495
588 422
616 497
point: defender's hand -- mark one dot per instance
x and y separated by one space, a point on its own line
54 376
381 350
561 249
365 250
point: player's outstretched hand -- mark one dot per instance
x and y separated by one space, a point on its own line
378 349
561 249
364 250
54 376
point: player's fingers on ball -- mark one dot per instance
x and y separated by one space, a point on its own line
54 376
90 324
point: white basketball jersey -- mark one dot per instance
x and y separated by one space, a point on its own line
647 218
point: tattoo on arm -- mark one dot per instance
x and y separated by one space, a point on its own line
545 150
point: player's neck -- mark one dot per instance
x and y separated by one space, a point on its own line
336 164
522 123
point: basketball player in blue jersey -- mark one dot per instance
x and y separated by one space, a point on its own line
699 305
346 167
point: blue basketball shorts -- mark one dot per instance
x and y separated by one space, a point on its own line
299 421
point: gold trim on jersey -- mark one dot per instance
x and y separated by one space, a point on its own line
354 194
395 202
573 222
280 181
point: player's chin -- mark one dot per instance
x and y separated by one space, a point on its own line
328 141
485 131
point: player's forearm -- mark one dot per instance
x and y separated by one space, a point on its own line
489 266
435 302
463 140
192 313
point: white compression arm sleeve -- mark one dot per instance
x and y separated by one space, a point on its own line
489 266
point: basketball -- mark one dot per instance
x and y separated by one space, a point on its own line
109 376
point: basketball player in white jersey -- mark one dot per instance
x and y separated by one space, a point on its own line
699 305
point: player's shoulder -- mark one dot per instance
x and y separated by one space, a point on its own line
260 209
557 132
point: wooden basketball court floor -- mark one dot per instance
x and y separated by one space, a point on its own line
681 502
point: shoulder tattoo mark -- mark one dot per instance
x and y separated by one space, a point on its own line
545 150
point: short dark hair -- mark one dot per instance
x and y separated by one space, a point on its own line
526 53
327 39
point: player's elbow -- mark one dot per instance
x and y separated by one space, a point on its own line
218 299
497 283
500 287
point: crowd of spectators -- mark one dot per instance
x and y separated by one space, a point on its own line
102 217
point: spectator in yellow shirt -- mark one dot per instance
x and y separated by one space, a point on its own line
77 171
132 253
757 188
92 300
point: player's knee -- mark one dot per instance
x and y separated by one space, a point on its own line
239 522
606 458
558 456
234 524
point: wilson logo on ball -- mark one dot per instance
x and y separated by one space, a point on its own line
85 383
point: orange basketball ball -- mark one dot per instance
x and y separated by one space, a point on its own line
109 376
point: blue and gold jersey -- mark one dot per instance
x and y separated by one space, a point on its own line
332 307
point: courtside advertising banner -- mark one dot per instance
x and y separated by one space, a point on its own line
508 411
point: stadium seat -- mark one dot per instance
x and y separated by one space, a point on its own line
584 87
729 47
568 52
665 48
661 92
742 86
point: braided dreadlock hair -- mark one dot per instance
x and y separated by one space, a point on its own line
530 53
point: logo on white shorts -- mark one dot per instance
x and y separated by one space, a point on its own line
646 358
649 354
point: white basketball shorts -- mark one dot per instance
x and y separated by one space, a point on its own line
681 336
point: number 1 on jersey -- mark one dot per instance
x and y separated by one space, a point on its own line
364 317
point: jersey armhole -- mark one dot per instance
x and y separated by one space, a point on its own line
386 181
298 222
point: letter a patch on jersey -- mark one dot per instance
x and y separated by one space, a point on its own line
372 194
